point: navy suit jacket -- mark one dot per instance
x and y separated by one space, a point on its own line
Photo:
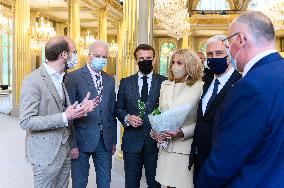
202 139
248 140
87 129
127 103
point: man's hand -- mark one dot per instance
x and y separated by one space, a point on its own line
91 103
113 149
135 121
74 153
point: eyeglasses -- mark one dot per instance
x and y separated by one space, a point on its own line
98 56
75 52
226 40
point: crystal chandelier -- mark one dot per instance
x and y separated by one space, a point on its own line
172 16
40 34
113 49
273 9
85 42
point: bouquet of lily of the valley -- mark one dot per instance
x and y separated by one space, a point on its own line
169 120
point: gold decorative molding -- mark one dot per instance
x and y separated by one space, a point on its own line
115 4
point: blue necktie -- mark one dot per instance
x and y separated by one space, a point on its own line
214 93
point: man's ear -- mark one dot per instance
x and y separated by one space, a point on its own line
154 61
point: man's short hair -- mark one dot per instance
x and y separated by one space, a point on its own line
98 43
214 39
143 47
259 24
55 47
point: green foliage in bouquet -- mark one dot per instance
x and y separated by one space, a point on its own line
156 112
141 108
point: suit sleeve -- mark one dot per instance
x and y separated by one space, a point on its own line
29 110
114 122
120 106
71 86
239 129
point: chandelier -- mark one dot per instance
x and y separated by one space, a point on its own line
113 49
273 9
85 42
172 15
5 22
40 34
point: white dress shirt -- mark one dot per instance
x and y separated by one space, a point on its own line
222 79
254 60
57 80
94 76
140 81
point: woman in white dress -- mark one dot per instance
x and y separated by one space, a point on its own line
184 86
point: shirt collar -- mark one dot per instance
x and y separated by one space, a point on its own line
52 72
225 77
254 60
93 73
149 76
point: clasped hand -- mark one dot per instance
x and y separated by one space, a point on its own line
161 137
76 111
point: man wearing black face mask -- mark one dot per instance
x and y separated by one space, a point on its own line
139 149
214 91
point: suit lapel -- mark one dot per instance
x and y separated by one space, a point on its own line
105 83
66 95
135 88
50 85
88 77
153 89
232 80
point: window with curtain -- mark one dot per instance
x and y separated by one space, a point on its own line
166 51
7 58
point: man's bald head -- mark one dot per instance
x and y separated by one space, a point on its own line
257 24
55 46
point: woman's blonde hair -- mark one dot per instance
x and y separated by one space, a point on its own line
193 65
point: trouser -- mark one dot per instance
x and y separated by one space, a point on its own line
55 175
133 164
102 161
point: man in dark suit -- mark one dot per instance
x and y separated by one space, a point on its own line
214 91
248 139
95 133
139 149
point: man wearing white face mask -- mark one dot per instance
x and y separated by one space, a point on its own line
96 133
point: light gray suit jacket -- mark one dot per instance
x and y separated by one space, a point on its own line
41 116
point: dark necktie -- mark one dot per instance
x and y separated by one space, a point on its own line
99 85
144 91
214 93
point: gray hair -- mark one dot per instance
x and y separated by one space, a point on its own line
260 26
215 38
96 44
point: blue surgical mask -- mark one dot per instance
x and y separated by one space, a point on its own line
233 61
71 63
217 65
98 63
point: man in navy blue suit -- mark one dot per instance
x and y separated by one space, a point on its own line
248 140
139 149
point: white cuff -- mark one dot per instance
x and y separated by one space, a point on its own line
65 120
126 121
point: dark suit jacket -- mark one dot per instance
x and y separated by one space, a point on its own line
248 139
127 103
87 129
202 139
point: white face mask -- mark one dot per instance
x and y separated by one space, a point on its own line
179 73
71 63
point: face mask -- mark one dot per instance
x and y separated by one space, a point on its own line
217 65
98 63
71 63
233 61
179 73
145 66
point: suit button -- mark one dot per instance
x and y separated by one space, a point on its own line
101 111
